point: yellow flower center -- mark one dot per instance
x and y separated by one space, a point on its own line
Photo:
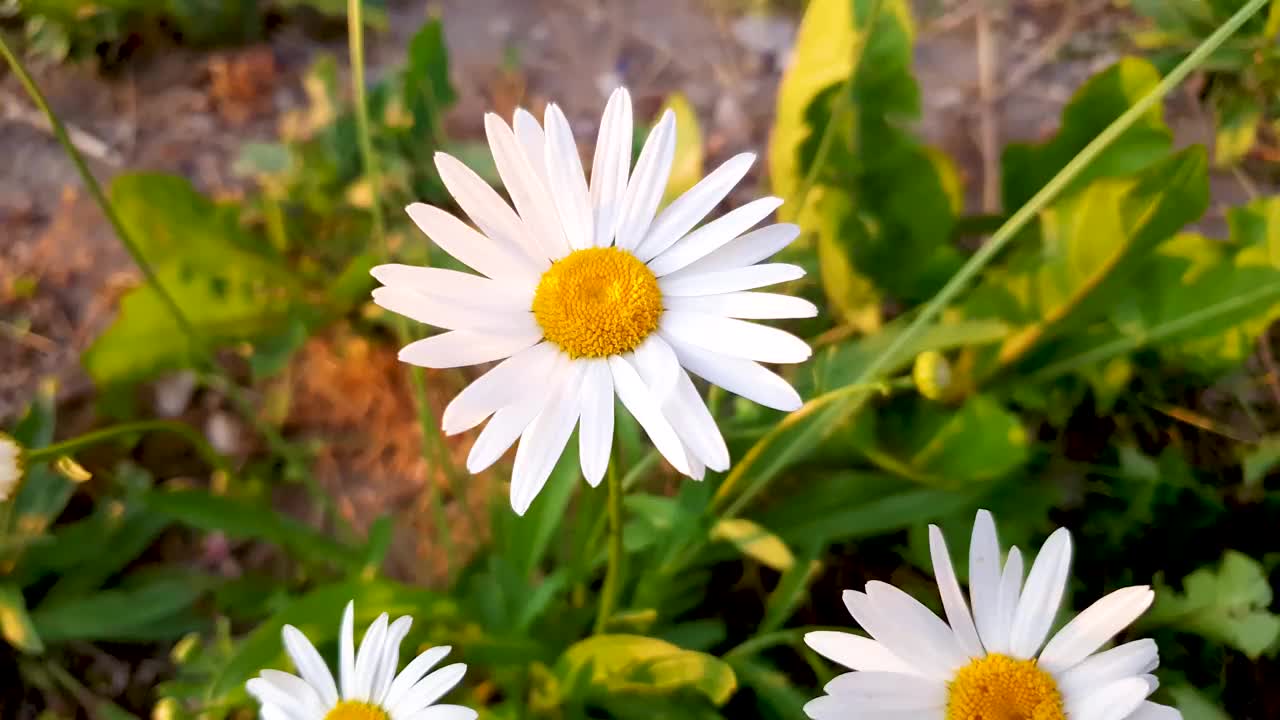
356 710
998 687
597 302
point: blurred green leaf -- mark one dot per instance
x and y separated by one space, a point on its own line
1190 272
1093 245
525 540
778 697
207 262
1228 604
123 614
1105 97
791 589
1238 116
686 168
243 519
1194 705
15 622
425 84
633 664
1260 460
755 542
930 443
851 294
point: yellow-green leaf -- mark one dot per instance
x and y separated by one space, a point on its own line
15 623
755 542
686 168
637 665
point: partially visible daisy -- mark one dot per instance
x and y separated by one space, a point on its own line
993 664
368 687
10 466
585 291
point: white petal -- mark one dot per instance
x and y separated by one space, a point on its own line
836 707
1115 701
1128 660
271 712
386 668
454 287
658 367
453 316
486 208
544 441
1042 595
712 236
854 651
917 635
295 687
687 210
1153 711
482 254
534 142
507 382
460 348
567 182
745 305
741 377
876 621
511 421
726 281
695 425
445 712
289 700
984 576
532 201
368 658
413 672
429 689
611 165
1006 603
647 184
889 691
595 430
953 603
639 400
346 651
310 665
1098 623
697 469
747 250
738 338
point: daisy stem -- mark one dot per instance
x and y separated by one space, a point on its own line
197 441
613 576
86 176
434 451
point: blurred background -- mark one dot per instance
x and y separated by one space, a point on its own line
223 135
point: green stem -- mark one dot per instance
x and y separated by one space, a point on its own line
613 577
60 132
69 447
1002 237
434 451
844 105
1050 191
1125 345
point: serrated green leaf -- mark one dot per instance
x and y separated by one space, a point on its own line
1105 97
633 664
1227 604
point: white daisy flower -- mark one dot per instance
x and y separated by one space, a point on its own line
368 687
993 664
586 291
10 466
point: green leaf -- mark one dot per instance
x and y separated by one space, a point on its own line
317 614
15 622
243 519
791 589
851 294
777 696
1227 604
125 614
686 168
1093 245
755 542
1190 272
633 664
1194 705
527 539
425 82
824 56
1105 97
208 264
1238 116
936 445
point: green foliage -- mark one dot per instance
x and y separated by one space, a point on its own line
1228 604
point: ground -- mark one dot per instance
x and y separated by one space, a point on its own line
987 78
